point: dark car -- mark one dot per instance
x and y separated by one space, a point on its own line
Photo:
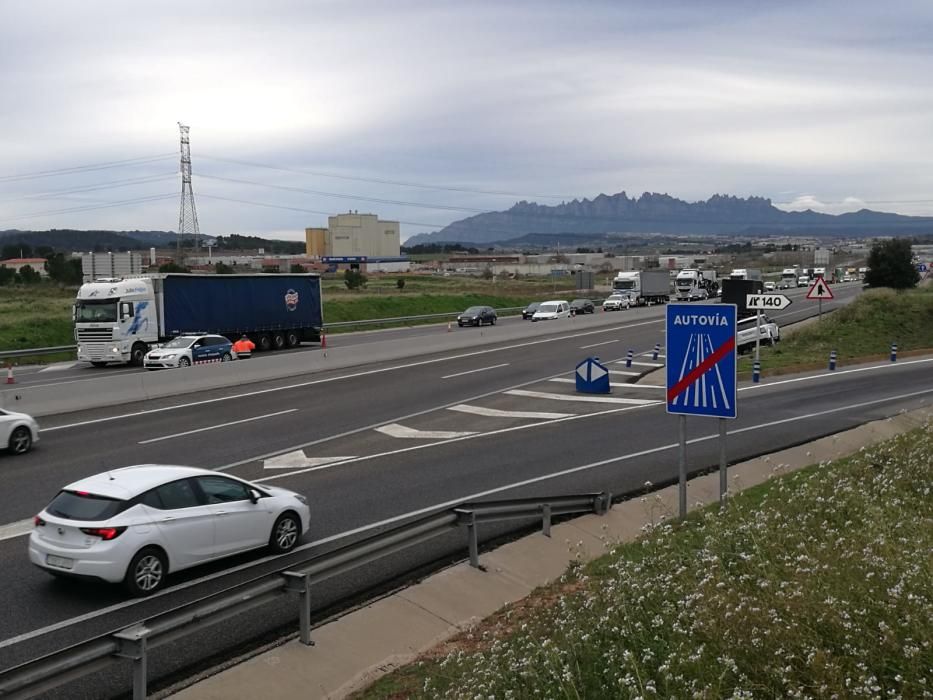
582 306
529 310
477 316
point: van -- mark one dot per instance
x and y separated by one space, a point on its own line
550 310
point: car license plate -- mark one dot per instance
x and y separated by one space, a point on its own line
60 562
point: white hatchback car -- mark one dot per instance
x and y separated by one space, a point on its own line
137 524
550 310
18 432
617 302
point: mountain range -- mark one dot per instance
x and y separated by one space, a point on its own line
606 215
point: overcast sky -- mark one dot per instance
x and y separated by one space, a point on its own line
825 105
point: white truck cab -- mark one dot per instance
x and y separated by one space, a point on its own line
115 320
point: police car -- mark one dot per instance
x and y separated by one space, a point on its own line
187 350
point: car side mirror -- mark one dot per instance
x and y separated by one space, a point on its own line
253 496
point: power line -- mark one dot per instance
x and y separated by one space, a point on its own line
353 197
85 168
72 210
399 183
126 182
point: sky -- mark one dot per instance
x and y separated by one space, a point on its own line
428 111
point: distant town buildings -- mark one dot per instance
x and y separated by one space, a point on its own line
17 264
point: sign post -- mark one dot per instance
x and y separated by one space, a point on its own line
758 302
701 374
820 290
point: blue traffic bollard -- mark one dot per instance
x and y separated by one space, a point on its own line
628 358
756 372
657 350
893 352
832 360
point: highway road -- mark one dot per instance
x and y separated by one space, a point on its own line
379 444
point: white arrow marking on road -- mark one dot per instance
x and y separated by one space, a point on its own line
58 366
298 460
497 413
400 431
625 373
8 532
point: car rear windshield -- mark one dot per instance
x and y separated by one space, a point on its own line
78 505
474 310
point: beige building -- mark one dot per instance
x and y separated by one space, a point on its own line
354 235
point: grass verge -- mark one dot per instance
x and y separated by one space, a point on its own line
817 584
861 330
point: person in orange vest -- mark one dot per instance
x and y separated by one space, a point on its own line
244 348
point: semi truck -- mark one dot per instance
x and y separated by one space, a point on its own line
644 286
734 291
691 284
120 319
788 278
741 273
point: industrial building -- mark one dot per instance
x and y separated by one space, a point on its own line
354 235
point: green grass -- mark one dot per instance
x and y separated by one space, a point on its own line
860 330
33 316
392 306
816 584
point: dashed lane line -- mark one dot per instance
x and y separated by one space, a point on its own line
472 371
215 427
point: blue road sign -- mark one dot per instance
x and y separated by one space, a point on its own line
700 360
592 377
921 267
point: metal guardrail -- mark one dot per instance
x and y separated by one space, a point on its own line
135 641
29 352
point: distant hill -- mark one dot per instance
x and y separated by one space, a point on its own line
73 240
661 213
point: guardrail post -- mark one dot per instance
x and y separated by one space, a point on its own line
133 646
546 519
299 584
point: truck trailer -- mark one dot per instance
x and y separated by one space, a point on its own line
120 319
734 291
693 284
644 286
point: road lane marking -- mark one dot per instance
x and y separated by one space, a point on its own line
354 375
596 345
471 371
436 507
497 413
620 385
635 363
58 367
299 460
215 427
627 374
400 431
577 397
18 529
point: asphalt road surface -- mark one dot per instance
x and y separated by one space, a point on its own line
374 446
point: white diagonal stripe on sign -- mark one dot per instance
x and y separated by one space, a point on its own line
582 399
497 413
400 431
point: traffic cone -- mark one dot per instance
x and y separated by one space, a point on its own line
9 375
449 326
324 343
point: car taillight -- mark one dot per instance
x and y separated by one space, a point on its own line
105 533
39 522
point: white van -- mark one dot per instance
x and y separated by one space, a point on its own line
550 310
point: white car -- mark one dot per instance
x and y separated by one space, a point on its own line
616 302
550 310
138 524
18 432
187 350
769 286
746 330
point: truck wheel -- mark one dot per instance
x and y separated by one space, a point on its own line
292 340
278 340
138 353
265 342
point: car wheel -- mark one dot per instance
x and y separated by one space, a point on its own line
226 357
285 533
184 362
138 353
292 340
20 441
493 320
146 572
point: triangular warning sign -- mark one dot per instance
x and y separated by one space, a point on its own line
820 290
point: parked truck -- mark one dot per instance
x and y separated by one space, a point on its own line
693 284
644 286
734 291
119 319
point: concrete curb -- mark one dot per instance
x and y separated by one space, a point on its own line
356 649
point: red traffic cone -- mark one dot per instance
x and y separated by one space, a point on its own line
9 375
323 342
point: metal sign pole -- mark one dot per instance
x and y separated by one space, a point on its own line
682 477
723 482
820 318
758 336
